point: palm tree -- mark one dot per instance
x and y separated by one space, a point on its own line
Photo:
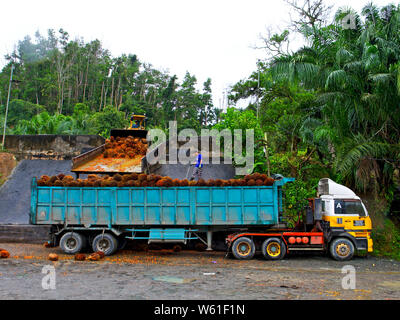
356 75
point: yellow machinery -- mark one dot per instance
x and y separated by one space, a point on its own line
136 128
137 122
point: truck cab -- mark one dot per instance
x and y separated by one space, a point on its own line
344 216
335 221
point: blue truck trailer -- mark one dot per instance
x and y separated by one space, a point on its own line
103 218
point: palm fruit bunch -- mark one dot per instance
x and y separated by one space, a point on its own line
80 257
4 254
52 257
129 147
94 257
150 180
258 179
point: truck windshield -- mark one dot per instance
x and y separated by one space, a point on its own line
354 207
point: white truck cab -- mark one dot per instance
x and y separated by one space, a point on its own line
344 216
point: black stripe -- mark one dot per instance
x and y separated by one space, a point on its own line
349 230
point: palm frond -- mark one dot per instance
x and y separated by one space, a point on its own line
343 56
361 148
381 78
336 79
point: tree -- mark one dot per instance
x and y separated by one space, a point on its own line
108 119
207 114
58 73
352 77
21 110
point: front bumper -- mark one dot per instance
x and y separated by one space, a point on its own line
364 244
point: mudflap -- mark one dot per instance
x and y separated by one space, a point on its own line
53 241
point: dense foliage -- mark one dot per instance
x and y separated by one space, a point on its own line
55 76
334 103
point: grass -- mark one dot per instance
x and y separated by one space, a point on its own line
3 149
385 233
387 240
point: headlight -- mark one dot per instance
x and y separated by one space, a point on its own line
359 223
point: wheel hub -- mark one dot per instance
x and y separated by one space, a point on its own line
71 243
342 249
244 249
103 245
274 249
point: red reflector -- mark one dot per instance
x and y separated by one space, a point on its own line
317 240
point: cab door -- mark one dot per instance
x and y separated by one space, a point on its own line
351 214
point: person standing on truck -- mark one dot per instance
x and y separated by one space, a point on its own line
198 170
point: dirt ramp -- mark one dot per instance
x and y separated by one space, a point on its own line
15 194
7 164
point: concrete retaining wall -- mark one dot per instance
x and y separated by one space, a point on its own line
24 233
51 147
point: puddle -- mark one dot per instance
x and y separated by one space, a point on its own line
174 279
391 284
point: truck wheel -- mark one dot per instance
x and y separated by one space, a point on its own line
106 243
72 242
273 249
243 248
342 249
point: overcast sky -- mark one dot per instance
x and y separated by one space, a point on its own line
208 38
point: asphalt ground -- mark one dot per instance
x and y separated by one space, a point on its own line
168 275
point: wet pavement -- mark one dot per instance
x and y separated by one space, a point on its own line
167 275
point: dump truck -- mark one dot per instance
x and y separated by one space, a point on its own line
93 162
251 218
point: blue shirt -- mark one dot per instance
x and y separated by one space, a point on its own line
198 161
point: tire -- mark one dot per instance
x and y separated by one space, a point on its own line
273 249
72 242
106 243
243 248
341 249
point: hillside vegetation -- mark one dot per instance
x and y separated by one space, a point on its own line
327 109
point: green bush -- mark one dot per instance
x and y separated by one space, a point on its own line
386 240
20 110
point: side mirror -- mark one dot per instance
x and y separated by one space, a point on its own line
317 209
309 216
